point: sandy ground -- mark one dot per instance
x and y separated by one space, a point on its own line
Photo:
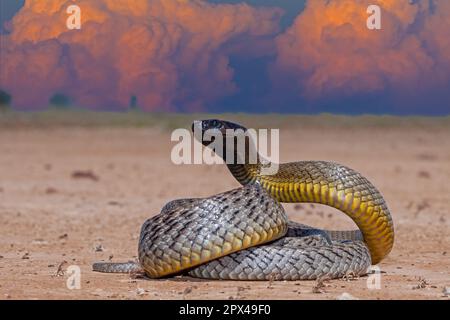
73 196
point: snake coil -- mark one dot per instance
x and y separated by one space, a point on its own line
244 234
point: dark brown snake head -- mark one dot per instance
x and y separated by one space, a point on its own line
213 126
216 124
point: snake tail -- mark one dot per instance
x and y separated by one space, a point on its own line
117 267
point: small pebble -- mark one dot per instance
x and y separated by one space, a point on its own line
346 296
140 291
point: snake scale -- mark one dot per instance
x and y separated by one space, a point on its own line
245 234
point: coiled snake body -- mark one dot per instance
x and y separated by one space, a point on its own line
244 234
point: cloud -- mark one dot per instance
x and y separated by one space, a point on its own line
192 55
329 56
170 54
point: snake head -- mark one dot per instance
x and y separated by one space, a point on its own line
214 127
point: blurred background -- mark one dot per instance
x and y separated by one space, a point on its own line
227 56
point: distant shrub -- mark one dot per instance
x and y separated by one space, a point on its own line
133 104
5 100
60 100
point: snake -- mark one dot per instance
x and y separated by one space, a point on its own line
245 233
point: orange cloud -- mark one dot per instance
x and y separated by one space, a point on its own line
329 52
170 54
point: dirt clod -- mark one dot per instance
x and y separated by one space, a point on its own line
89 175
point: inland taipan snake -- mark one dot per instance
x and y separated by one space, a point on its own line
244 234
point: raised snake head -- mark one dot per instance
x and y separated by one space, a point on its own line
216 125
212 127
206 132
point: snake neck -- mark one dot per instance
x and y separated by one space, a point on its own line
247 168
245 173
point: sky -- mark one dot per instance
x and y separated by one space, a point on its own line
295 56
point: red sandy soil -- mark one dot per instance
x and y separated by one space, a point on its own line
73 196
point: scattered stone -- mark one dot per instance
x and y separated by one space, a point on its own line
63 236
298 207
140 291
422 284
187 290
446 291
99 248
89 175
51 190
424 174
39 241
346 296
60 271
422 206
26 256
